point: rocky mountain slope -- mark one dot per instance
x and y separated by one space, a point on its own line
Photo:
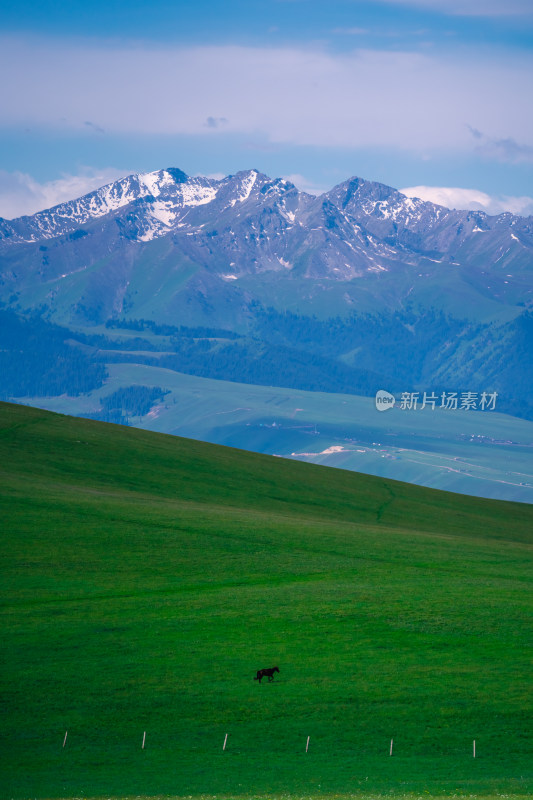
178 249
248 279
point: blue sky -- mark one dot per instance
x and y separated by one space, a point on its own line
433 96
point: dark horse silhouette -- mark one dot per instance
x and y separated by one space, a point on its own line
266 673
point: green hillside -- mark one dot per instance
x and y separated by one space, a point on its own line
147 578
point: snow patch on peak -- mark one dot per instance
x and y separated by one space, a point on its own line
108 198
195 193
247 185
161 217
152 182
164 212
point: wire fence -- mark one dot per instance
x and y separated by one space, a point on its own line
307 744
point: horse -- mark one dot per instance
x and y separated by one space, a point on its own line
266 673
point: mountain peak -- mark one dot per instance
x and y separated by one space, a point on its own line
178 174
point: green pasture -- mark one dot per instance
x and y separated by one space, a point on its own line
147 577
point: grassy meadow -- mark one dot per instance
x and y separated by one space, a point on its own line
147 577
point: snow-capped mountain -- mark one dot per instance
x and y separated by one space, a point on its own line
169 195
248 279
173 246
172 186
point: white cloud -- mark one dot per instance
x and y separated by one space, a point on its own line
21 194
365 98
454 197
472 8
501 149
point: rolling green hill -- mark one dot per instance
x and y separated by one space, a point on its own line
147 578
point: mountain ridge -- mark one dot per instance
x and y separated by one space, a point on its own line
124 191
352 290
362 244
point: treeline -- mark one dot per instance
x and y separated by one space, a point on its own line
256 362
398 351
178 331
354 355
501 359
133 400
404 345
37 360
126 402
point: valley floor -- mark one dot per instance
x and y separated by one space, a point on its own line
484 454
